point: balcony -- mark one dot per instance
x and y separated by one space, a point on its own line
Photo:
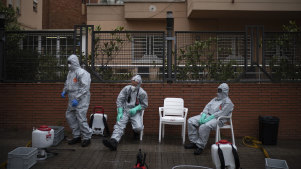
243 9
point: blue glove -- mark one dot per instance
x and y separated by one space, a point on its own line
63 94
119 113
134 110
203 117
74 103
209 118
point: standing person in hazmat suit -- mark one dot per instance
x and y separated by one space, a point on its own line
131 101
199 126
77 86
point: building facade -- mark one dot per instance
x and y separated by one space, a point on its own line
48 14
63 14
29 13
193 15
189 15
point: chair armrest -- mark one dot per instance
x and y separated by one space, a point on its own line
160 111
223 117
186 112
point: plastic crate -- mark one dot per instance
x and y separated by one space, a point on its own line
22 158
275 164
58 134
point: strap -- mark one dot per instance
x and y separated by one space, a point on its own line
105 124
129 96
236 158
221 157
137 100
91 120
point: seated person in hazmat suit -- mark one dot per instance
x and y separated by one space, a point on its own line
131 101
77 86
199 126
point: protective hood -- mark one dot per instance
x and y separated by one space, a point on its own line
138 79
224 91
73 59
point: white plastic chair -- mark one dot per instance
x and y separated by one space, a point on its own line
227 125
141 132
173 113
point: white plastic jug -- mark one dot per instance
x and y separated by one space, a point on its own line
42 137
226 148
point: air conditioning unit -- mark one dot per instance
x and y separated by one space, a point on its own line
110 2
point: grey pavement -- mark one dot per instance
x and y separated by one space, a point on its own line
167 154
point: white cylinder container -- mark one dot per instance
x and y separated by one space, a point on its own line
42 137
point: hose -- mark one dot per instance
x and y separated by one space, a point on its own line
28 144
3 165
254 143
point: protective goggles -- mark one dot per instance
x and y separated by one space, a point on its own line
68 62
219 90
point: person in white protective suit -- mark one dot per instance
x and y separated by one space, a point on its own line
131 101
199 126
77 86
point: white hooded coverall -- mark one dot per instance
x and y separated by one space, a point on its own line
77 86
122 101
218 106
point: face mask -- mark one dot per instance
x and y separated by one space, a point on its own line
133 88
219 94
69 66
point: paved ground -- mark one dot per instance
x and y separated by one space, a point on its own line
166 155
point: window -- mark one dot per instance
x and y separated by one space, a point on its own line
35 5
18 7
230 46
10 3
144 72
147 45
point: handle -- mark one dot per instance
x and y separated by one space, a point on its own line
223 142
99 112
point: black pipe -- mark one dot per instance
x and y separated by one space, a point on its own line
169 29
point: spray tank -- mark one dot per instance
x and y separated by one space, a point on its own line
42 138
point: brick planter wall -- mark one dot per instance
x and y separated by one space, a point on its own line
24 105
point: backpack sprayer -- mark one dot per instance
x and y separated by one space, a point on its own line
224 155
98 121
140 164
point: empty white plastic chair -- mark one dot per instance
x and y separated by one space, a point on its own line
173 113
227 125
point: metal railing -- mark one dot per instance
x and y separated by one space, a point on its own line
237 56
115 56
118 55
37 56
282 51
208 56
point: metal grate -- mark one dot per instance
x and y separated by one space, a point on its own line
37 55
209 56
253 55
121 54
283 55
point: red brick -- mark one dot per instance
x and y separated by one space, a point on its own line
29 104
